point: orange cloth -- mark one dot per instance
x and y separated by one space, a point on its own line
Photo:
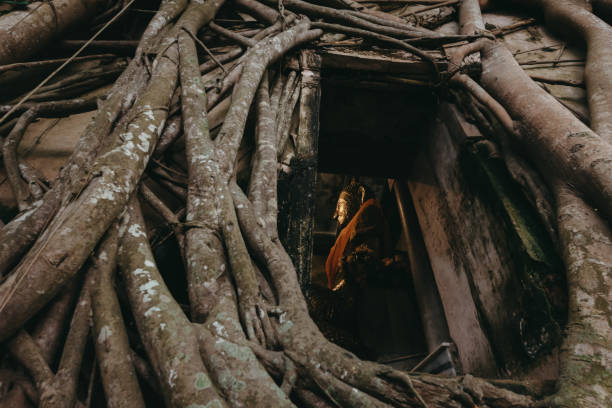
335 254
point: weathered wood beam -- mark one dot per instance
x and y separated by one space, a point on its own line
434 323
298 216
387 61
444 245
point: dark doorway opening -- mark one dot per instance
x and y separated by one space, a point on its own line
372 131
369 135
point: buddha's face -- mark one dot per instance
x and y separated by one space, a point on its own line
348 204
342 210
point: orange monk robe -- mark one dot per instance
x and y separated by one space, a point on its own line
368 223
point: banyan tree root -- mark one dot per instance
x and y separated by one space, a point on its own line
11 162
169 339
585 368
112 346
568 16
247 339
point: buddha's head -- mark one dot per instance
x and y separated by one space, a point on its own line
351 198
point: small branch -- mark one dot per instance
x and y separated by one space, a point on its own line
63 391
260 11
236 72
7 126
281 110
240 39
457 55
483 96
11 162
76 89
284 121
249 299
158 205
161 171
275 94
432 7
24 350
50 63
230 55
36 182
262 190
273 361
221 59
228 82
205 48
78 81
545 47
552 62
290 376
393 23
56 108
178 190
116 46
398 1
308 398
500 32
50 331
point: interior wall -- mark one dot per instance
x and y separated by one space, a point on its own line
371 132
478 261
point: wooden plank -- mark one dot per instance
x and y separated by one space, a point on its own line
431 310
299 186
482 252
506 247
444 249
387 61
472 240
459 127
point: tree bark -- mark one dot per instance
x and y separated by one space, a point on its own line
26 32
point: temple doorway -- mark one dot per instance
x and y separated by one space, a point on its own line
368 304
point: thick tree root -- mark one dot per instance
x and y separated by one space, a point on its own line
111 341
584 375
169 338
